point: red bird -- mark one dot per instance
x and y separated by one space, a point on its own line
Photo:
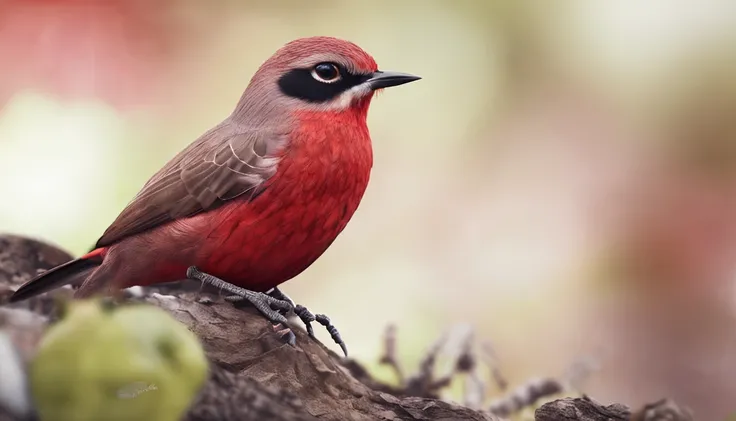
258 198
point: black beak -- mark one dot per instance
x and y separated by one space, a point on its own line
380 80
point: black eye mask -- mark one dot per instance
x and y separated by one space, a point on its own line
300 84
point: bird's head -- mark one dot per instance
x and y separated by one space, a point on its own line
319 74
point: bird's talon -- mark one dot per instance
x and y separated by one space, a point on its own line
306 317
277 294
264 303
280 304
334 333
193 273
304 313
271 305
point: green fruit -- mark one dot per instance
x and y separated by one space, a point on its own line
116 364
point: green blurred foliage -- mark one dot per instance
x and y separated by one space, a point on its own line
128 363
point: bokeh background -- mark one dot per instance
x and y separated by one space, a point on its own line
563 178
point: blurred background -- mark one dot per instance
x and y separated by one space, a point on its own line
563 178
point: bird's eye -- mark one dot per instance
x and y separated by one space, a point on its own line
326 73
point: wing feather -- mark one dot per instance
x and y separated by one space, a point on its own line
219 166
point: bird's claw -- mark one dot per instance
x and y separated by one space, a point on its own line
325 321
269 306
307 317
273 306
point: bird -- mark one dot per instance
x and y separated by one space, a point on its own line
255 200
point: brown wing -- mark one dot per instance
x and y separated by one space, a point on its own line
217 167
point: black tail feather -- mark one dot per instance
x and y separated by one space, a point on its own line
59 276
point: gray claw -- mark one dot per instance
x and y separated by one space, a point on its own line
306 317
266 304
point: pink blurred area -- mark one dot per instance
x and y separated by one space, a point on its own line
565 180
112 49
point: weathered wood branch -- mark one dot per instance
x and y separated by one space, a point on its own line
253 375
587 409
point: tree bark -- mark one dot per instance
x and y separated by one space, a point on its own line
253 375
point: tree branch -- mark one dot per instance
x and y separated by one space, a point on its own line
253 375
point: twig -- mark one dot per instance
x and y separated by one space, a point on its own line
488 355
664 409
389 353
525 395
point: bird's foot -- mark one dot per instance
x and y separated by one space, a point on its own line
270 307
307 318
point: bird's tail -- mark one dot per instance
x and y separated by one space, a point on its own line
65 274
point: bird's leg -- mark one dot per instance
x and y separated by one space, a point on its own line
325 321
304 315
307 318
269 306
